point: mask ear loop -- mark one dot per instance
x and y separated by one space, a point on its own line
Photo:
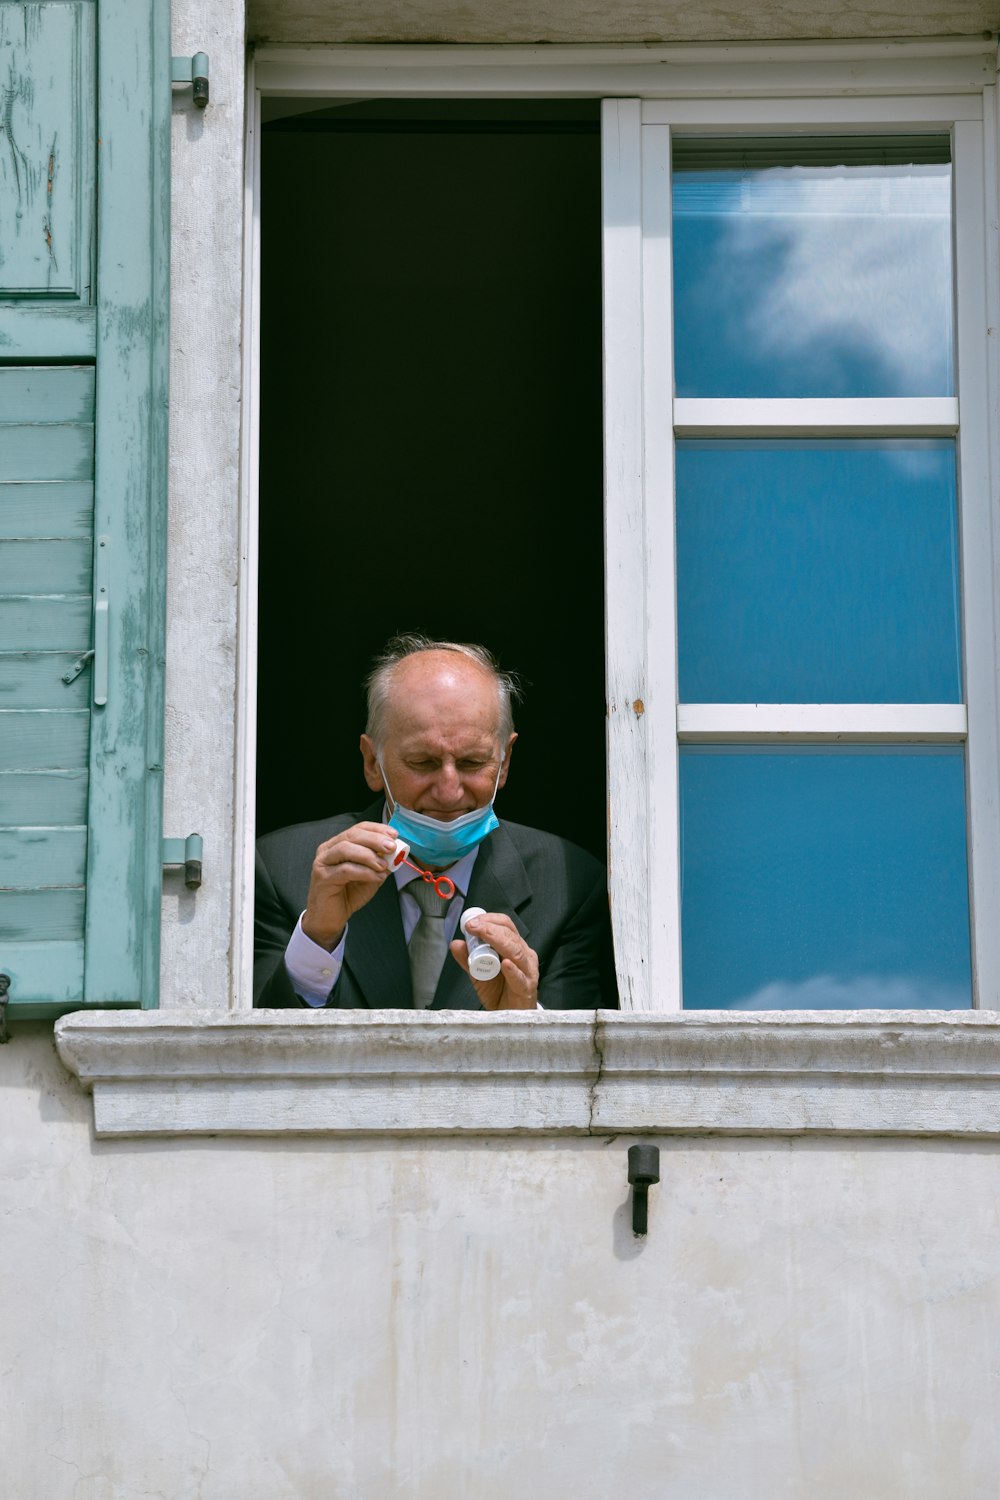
385 783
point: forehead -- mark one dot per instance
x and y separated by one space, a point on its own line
442 698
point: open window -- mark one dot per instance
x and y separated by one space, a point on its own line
800 658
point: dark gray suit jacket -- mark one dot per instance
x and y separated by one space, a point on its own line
555 893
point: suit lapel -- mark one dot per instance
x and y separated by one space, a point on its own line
499 883
375 955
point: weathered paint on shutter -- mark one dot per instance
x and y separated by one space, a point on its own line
84 160
46 568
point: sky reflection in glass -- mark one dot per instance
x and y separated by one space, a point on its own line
820 878
817 570
813 281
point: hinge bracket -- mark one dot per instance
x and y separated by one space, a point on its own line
192 71
4 997
186 852
78 666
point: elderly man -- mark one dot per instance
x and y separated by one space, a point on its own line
338 926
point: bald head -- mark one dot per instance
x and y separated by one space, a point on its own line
442 749
430 661
437 691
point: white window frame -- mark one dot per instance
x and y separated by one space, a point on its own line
649 92
641 525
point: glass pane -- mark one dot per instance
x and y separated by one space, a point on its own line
820 878
822 275
815 570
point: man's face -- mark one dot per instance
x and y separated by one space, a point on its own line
442 750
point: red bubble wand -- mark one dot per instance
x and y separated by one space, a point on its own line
441 883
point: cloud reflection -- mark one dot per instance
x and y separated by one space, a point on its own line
857 992
806 282
862 282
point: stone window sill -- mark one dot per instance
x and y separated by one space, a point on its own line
345 1073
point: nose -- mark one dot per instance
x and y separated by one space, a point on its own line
448 786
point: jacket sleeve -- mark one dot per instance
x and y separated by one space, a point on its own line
577 972
274 923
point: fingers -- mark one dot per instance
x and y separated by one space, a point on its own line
366 846
497 929
347 871
516 986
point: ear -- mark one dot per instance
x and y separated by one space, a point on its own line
506 762
373 773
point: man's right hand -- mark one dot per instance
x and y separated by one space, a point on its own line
346 873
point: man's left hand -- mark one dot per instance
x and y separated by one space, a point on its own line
516 986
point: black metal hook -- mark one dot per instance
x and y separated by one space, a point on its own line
643 1172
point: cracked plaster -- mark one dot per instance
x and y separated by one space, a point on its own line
640 21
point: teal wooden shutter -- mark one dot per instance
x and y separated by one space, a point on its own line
84 284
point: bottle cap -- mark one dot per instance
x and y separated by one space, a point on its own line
398 854
467 916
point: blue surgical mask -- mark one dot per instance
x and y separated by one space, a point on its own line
435 842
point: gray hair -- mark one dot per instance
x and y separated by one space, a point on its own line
379 681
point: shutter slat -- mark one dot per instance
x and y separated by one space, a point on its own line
53 971
41 451
41 916
36 859
34 679
47 393
39 797
50 565
45 623
37 332
34 508
43 741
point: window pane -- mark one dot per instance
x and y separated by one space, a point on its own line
813 570
819 878
802 270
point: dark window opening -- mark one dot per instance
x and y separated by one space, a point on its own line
430 442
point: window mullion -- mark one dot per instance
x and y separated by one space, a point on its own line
909 416
664 893
882 723
978 463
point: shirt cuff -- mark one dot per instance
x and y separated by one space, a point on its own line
312 970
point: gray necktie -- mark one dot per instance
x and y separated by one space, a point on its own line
428 945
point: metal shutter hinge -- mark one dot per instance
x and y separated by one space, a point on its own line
4 996
186 852
77 667
193 71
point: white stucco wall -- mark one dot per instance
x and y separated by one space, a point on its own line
293 1320
204 547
